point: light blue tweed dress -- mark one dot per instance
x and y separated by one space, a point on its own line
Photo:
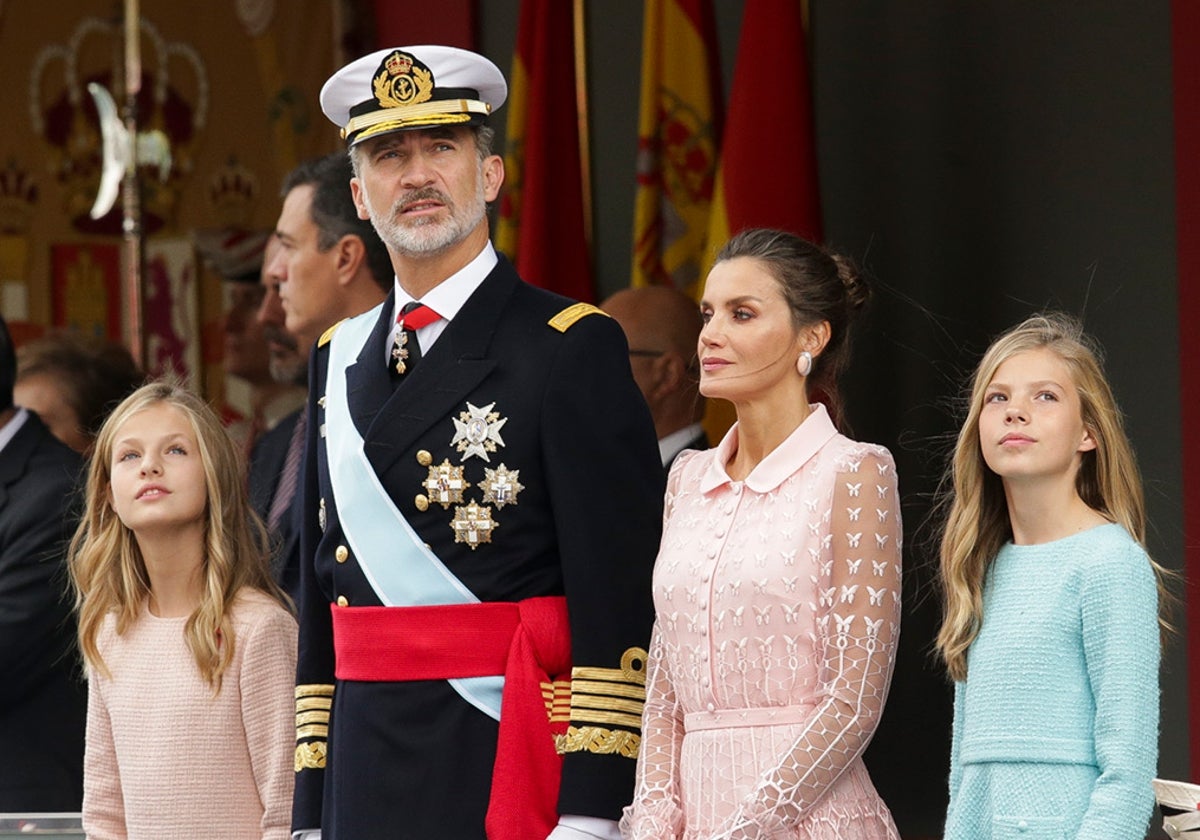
1056 725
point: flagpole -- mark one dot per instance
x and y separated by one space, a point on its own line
581 109
131 221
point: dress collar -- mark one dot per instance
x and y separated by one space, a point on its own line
781 462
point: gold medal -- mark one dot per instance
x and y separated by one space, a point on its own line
473 525
445 484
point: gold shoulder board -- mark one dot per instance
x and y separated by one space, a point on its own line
563 320
327 336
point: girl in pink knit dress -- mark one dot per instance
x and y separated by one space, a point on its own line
190 649
777 585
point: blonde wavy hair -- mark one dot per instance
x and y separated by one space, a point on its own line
108 572
977 522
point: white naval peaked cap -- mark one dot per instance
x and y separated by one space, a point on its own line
412 87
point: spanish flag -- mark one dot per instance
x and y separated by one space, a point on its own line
542 225
768 171
679 135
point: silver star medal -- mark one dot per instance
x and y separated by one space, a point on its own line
500 486
477 431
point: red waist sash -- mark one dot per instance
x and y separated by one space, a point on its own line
528 642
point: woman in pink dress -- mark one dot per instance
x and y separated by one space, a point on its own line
777 586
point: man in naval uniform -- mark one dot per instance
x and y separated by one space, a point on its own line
482 508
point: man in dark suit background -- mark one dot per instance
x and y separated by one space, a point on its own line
43 697
662 325
482 508
321 264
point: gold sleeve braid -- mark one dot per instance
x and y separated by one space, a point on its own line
603 699
313 704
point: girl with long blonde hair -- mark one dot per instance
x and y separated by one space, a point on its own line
189 644
1050 627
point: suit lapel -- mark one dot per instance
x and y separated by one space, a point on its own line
453 368
14 459
368 381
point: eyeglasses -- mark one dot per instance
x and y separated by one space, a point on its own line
648 353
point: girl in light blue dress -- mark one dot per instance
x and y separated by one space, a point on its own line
1051 626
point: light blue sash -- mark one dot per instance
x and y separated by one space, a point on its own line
397 563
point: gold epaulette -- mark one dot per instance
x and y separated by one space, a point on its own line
563 320
605 698
327 336
313 703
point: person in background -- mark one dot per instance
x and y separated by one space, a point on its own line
189 648
777 587
43 697
330 264
482 502
323 264
1051 605
662 325
72 382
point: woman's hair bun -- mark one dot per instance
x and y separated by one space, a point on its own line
857 290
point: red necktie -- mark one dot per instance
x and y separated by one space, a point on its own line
406 351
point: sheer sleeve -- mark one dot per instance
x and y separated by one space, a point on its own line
856 634
656 812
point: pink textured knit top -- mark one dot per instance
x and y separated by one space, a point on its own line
167 759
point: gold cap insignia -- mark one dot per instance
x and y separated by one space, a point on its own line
402 80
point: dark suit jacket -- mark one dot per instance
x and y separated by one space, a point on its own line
413 759
43 697
266 466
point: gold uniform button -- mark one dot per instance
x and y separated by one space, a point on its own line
342 554
424 459
342 602
421 501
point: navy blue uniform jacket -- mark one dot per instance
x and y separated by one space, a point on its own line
413 759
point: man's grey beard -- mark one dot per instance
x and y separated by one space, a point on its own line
426 236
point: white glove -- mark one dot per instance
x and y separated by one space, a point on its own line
307 834
572 827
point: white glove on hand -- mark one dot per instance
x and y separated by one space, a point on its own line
571 827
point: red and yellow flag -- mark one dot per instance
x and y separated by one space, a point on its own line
542 224
768 171
679 134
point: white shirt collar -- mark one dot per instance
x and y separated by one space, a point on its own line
673 444
448 297
10 429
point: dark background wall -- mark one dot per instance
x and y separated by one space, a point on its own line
982 160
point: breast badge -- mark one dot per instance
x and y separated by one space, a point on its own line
477 431
476 434
446 484
500 486
473 525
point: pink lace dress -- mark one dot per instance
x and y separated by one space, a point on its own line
778 608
